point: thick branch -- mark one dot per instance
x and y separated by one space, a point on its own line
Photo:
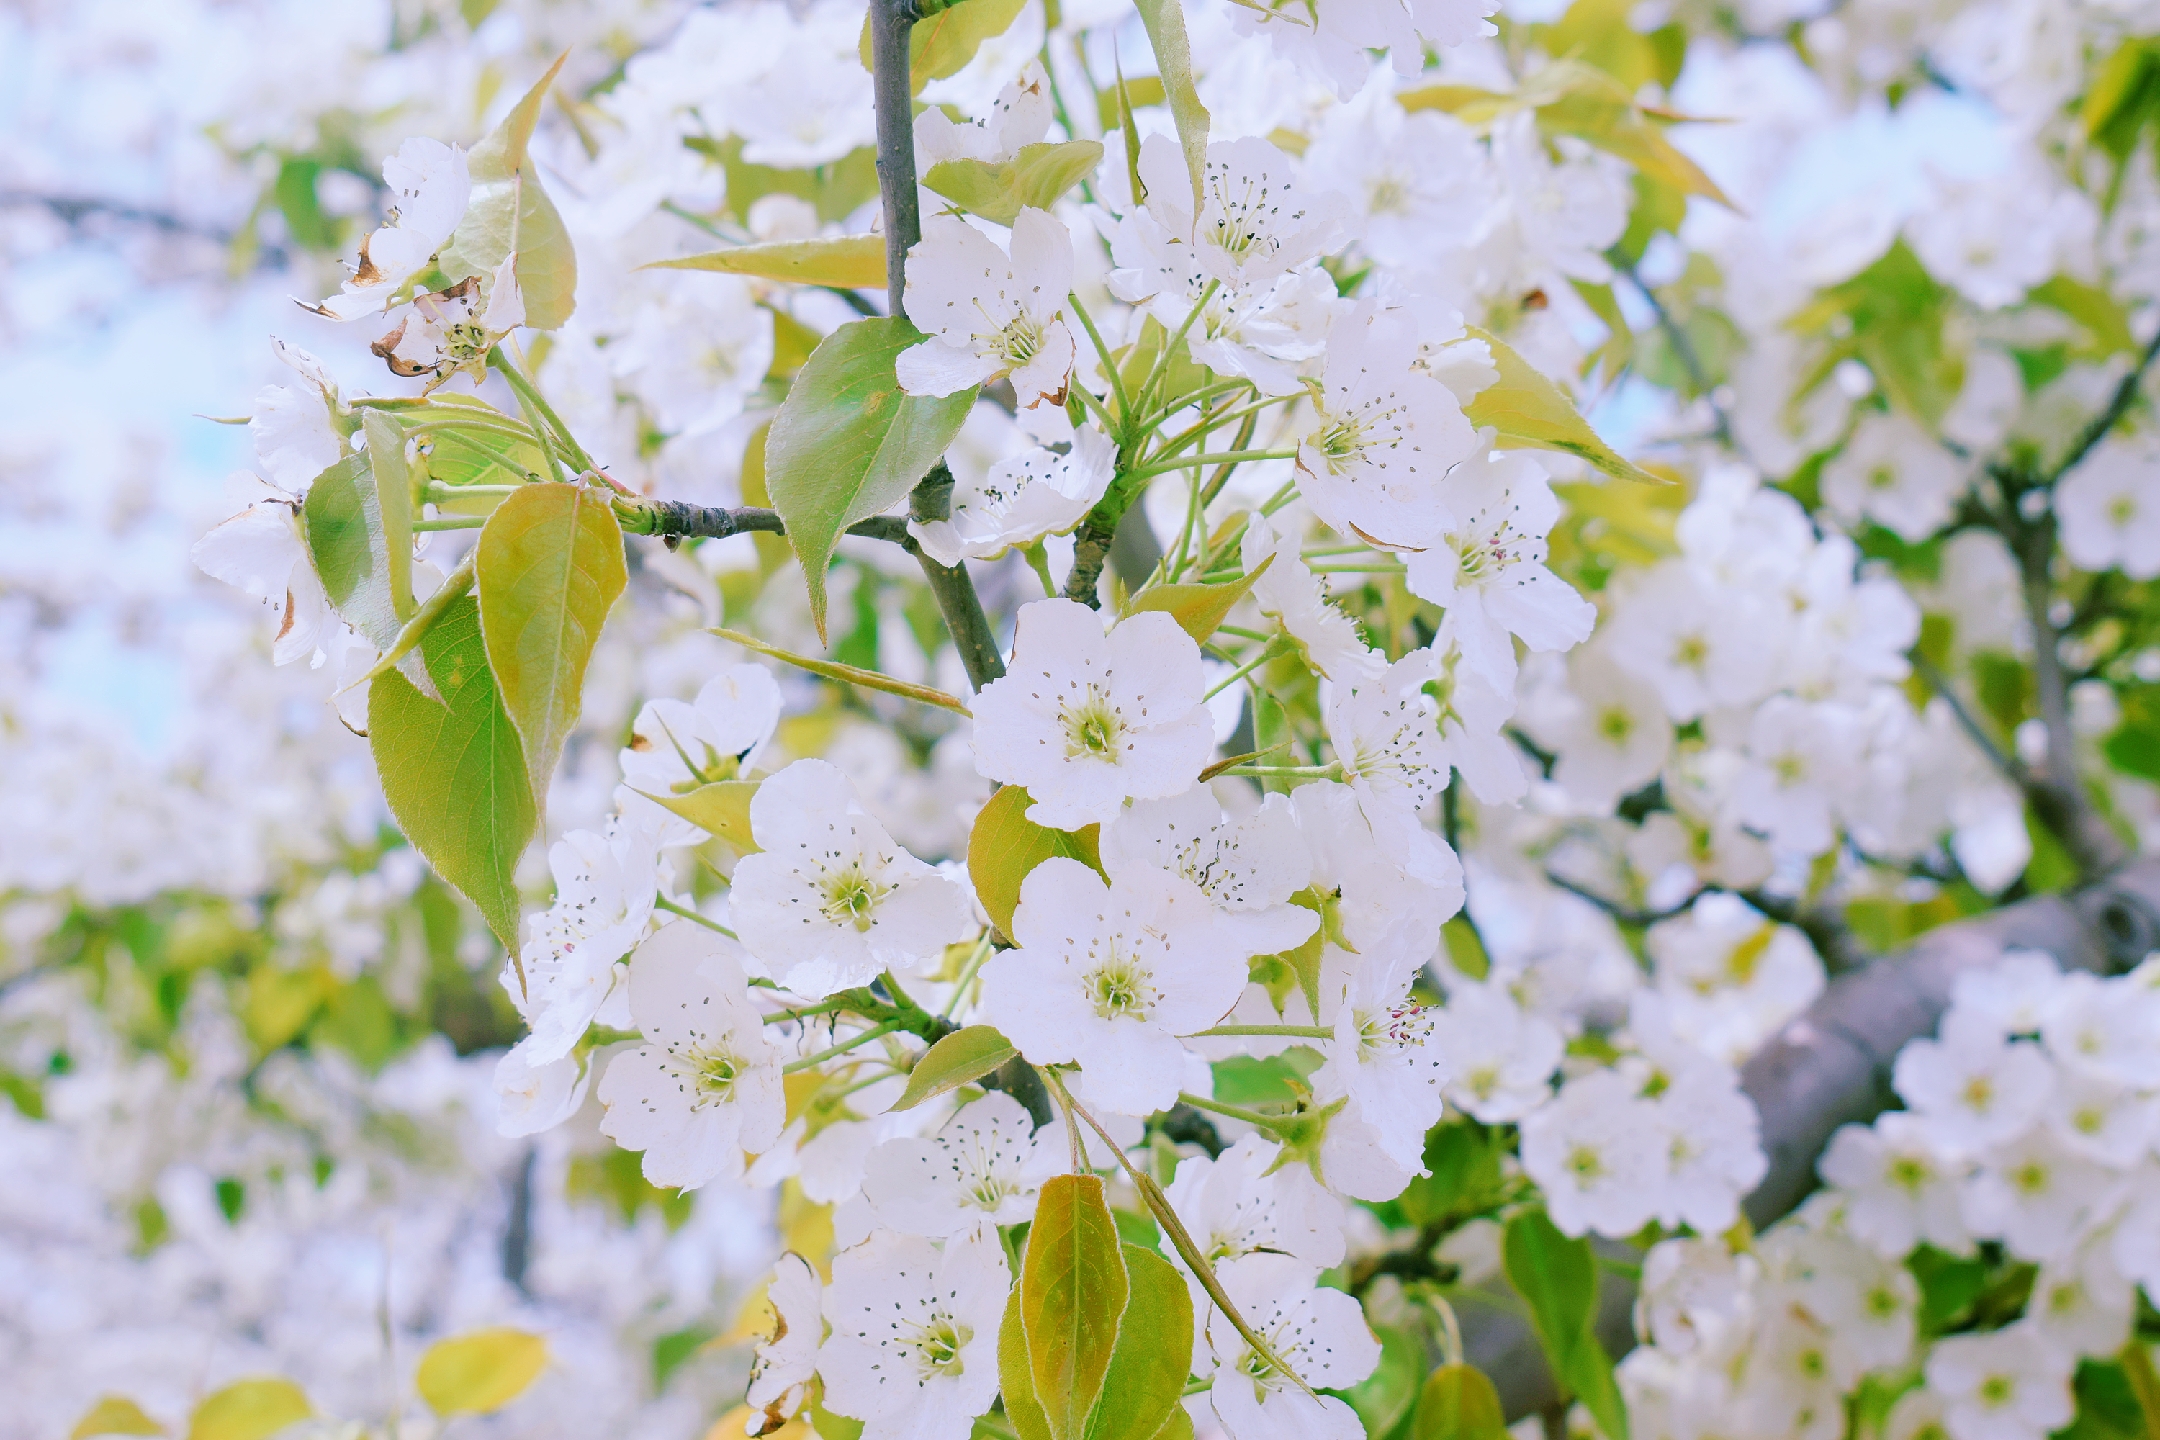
1831 1067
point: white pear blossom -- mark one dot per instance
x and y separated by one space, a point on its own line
989 314
535 1096
987 1163
1595 1151
448 331
1086 720
1249 867
830 900
1241 1203
1108 977
705 1087
429 187
1899 1192
1383 1055
1729 977
784 1366
1289 591
2005 1385
605 884
1893 473
1500 1057
1019 116
913 1349
260 552
2108 508
1319 1334
1975 1089
1488 568
676 746
1021 499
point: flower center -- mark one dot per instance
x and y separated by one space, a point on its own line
936 1345
1997 1391
1909 1174
851 897
1585 1164
1388 195
713 1072
1018 342
1093 727
1121 988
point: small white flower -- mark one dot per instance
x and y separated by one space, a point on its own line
1384 875
1383 1055
2108 508
447 331
1290 592
780 1375
1320 1334
1240 1204
2034 1194
1898 1192
1597 1153
1021 499
2005 1385
986 1165
989 314
1729 976
1893 472
677 746
430 187
1386 734
705 1087
1248 867
1019 116
1501 1058
605 885
535 1096
259 552
1086 721
1488 568
1386 436
830 900
913 1350
1107 977
1975 1089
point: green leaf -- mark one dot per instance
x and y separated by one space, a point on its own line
1005 845
721 808
1529 410
846 674
1199 609
456 585
393 502
115 1415
509 211
1181 374
453 769
1178 1426
1073 1288
943 44
1593 106
550 566
846 262
249 1410
480 1372
1558 1278
847 444
1165 23
961 1058
344 529
1022 1410
1464 1160
1034 178
1147 1371
1383 1399
2093 308
1459 1403
836 190
496 451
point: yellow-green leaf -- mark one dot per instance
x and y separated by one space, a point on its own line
249 1410
456 585
960 1058
847 674
1527 409
848 443
1471 104
115 1415
2092 307
1165 23
1459 1403
1022 1410
509 211
343 526
549 567
453 769
1005 845
846 262
1115 108
1073 1288
480 1372
394 503
943 44
721 808
1200 609
1599 111
1153 1354
280 1001
1034 178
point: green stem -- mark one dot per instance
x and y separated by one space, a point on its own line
661 902
454 522
1288 1032
967 975
1267 653
2137 1364
529 395
1109 365
1161 367
1232 1112
437 492
876 1032
1201 462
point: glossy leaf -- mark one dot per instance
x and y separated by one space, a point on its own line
550 566
1005 845
1153 1355
345 537
1034 178
249 1410
1459 1403
456 585
509 211
847 444
496 450
394 503
1199 609
1558 1278
115 1415
847 262
1022 1411
453 769
1529 410
1073 1288
943 44
480 1372
960 1058
721 809
1591 105
1165 22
